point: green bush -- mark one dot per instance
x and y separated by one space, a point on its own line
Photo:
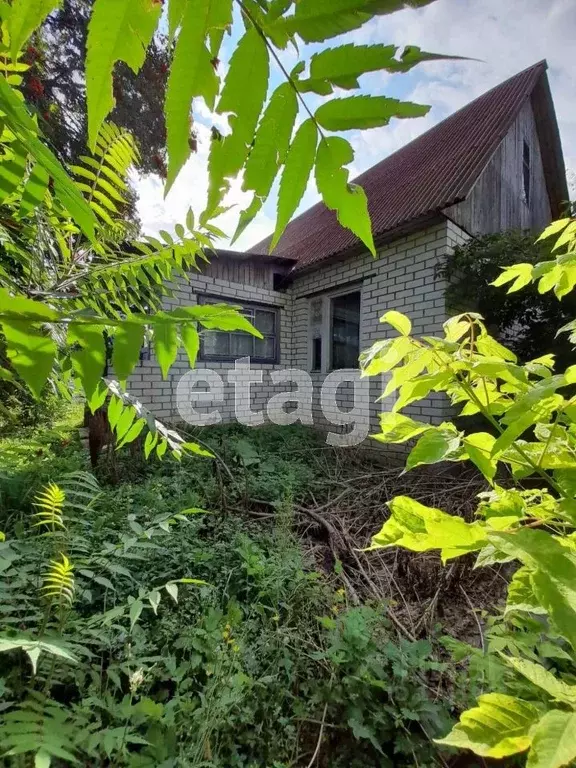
181 637
528 701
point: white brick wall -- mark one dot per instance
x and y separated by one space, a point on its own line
401 277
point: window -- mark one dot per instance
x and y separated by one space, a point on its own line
345 325
230 345
526 171
316 333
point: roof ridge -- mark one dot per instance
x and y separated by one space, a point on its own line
433 171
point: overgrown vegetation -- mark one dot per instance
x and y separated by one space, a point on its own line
521 320
529 522
117 659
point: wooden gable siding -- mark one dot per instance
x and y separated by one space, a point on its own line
497 201
246 272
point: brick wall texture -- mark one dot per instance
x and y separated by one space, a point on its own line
401 277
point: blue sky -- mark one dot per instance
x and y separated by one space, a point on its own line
506 35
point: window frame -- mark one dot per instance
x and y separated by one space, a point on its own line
209 298
526 172
330 350
356 286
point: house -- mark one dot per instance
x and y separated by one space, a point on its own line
493 165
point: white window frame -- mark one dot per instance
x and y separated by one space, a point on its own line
326 326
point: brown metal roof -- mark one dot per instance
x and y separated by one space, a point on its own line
436 170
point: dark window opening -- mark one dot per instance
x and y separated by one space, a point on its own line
230 345
345 323
279 281
526 176
317 354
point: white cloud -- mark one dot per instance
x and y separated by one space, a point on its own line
506 36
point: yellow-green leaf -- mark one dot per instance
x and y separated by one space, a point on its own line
398 321
419 528
553 741
542 678
498 727
397 428
479 447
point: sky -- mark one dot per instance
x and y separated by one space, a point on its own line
501 36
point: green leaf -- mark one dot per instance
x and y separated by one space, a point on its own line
249 64
419 359
165 347
398 321
397 428
479 447
421 387
345 64
20 123
131 434
553 741
342 66
521 596
12 169
318 20
127 343
419 528
498 727
553 577
154 598
31 350
435 445
172 590
348 200
119 30
191 342
33 648
542 678
90 360
219 317
271 141
361 112
559 601
26 16
191 75
34 190
42 759
136 608
299 164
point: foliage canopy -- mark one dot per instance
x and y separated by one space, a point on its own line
531 413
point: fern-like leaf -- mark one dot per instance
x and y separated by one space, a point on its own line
58 584
38 726
50 504
102 177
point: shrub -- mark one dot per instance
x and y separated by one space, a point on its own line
258 661
531 413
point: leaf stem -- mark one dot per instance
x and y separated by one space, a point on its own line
281 66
